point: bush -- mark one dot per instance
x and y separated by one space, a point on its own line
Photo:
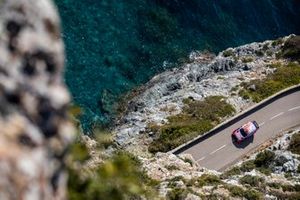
233 171
177 194
253 195
247 59
291 48
265 170
120 177
263 159
294 146
277 42
247 166
285 195
244 94
197 118
79 152
187 160
254 181
205 179
172 167
234 89
236 191
259 53
291 188
228 53
274 185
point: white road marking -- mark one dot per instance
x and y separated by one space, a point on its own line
218 149
276 116
200 159
295 108
261 124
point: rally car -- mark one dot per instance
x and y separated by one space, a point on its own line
245 131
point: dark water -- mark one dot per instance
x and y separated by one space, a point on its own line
113 45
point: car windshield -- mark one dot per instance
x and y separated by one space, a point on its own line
242 131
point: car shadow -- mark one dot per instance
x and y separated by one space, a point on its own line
244 143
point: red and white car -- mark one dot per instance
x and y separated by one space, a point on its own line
245 131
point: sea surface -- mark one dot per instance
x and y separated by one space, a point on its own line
114 46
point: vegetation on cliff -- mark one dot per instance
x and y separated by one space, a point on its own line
117 177
285 75
197 118
295 144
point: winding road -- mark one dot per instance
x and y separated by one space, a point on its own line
217 151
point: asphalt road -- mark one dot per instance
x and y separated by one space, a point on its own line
218 151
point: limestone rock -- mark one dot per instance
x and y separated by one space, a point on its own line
165 166
192 197
35 130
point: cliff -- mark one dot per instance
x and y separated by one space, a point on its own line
203 75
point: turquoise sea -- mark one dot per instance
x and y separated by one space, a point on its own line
113 45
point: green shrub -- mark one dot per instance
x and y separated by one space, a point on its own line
286 195
176 178
172 135
264 170
253 195
247 59
247 166
120 177
269 53
291 48
177 194
79 152
288 175
234 89
274 185
291 188
263 159
277 42
228 53
197 117
294 146
187 160
236 191
231 172
274 65
259 53
205 179
265 47
254 181
172 167
260 163
244 94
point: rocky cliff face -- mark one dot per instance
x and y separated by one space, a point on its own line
203 75
35 130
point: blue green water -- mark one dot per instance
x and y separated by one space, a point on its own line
113 46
